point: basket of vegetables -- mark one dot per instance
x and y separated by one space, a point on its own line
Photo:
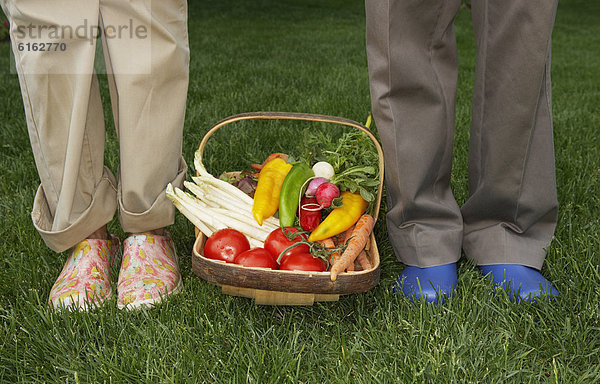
288 232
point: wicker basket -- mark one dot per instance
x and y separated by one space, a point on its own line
274 287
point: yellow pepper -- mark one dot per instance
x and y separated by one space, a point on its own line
341 218
268 189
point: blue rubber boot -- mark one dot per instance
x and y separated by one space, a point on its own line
524 283
431 283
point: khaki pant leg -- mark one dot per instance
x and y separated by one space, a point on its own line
511 213
150 89
411 50
65 120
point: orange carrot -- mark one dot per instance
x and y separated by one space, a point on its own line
329 243
357 243
342 238
339 239
347 235
363 260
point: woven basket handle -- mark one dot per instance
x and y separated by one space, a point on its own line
305 117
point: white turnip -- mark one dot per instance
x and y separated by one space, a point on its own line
323 169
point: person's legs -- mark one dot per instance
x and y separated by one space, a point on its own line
148 68
411 50
149 75
65 120
511 212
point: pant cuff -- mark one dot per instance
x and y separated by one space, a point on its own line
500 245
160 214
426 247
100 211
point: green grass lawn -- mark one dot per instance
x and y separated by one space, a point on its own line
309 56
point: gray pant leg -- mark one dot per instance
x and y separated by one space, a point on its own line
411 49
511 213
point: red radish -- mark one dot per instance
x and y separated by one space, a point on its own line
311 190
325 194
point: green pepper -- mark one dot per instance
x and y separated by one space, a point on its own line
291 189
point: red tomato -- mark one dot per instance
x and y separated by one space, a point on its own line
256 257
302 262
225 244
277 241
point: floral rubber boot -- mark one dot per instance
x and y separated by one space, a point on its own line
149 271
85 279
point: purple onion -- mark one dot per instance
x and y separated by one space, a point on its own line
311 190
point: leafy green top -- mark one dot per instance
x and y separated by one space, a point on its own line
353 157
